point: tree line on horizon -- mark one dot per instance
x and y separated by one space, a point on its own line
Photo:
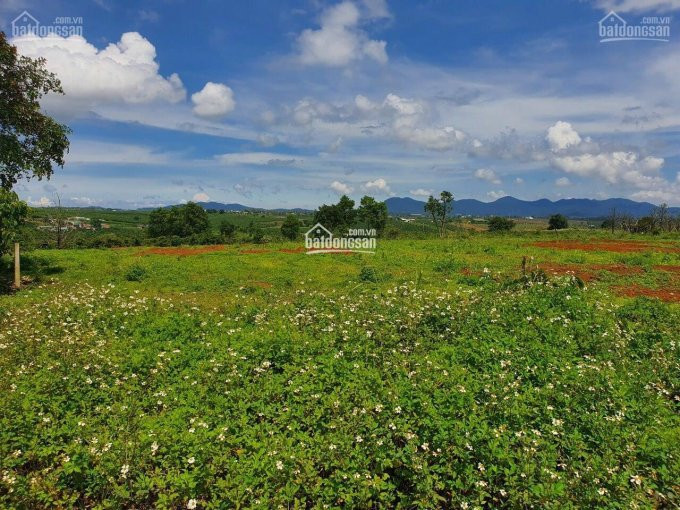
660 220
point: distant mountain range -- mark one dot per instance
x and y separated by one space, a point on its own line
506 206
217 206
223 207
509 206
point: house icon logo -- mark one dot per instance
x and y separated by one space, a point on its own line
611 19
319 232
25 24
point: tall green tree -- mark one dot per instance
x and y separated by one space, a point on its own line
290 227
440 209
338 217
372 214
13 213
557 222
182 221
30 141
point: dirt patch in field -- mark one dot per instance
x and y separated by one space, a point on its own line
253 252
262 285
588 272
613 246
670 295
621 269
556 269
669 269
299 249
466 271
181 251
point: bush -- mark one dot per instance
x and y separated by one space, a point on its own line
500 224
447 266
257 236
108 241
291 227
391 233
136 273
557 222
227 229
368 274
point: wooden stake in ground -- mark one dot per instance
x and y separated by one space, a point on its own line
17 266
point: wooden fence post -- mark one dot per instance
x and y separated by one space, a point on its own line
17 266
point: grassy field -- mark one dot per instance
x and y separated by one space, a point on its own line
433 374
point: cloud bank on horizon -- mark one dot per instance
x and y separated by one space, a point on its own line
357 97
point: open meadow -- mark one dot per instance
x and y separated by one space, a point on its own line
339 254
435 373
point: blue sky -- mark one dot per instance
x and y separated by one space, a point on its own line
290 104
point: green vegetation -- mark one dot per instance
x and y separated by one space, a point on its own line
342 216
500 224
182 221
557 222
659 221
290 229
432 374
337 217
227 229
13 213
440 209
372 214
30 141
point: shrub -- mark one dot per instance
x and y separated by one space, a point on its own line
257 236
391 233
13 213
447 266
557 222
291 227
135 273
108 241
227 229
500 224
368 274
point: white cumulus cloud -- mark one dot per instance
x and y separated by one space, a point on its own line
495 195
583 157
409 124
201 197
488 175
341 188
41 202
378 186
340 40
213 101
124 72
562 135
420 192
614 167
